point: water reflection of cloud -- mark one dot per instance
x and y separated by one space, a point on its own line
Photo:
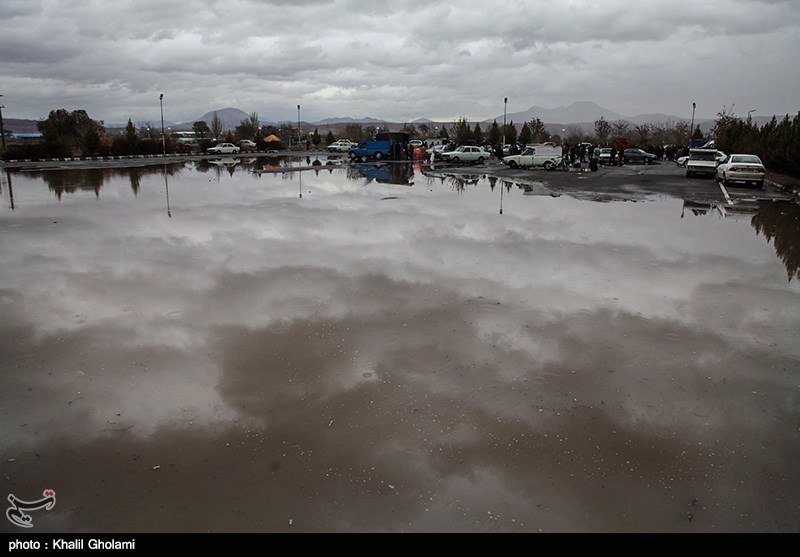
425 336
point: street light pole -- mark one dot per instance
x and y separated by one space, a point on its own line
691 130
2 129
749 112
298 125
505 108
163 141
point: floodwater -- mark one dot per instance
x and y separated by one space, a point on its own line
358 349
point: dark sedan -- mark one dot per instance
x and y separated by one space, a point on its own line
637 155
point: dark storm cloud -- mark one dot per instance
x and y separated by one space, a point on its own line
395 60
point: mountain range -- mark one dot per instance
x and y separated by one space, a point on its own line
581 114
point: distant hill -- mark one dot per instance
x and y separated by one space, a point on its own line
230 118
579 113
19 125
348 120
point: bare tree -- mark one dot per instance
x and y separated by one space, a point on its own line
216 126
601 130
643 133
574 134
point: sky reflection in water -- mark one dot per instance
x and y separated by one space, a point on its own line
413 317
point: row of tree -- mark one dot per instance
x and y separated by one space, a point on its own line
67 134
777 143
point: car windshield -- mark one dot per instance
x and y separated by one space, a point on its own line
746 158
702 156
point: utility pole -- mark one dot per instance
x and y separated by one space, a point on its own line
2 129
505 108
163 141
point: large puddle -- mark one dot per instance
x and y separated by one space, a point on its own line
225 347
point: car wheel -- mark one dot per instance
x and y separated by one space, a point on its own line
455 159
480 160
512 164
548 165
760 184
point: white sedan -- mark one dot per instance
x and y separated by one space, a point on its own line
742 168
341 146
224 149
466 153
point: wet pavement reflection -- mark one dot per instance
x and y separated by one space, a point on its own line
224 346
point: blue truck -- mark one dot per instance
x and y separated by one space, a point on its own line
371 150
386 145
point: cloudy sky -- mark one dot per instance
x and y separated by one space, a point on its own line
397 60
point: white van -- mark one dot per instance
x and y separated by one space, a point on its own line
538 154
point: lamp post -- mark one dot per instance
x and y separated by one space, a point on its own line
163 140
2 129
749 112
298 125
691 130
505 108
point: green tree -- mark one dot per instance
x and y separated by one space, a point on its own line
329 138
316 139
201 129
494 134
245 129
539 133
697 133
477 134
424 130
131 138
66 133
525 134
462 131
510 132
443 133
354 132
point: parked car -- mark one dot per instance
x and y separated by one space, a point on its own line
341 146
466 153
638 155
535 155
247 145
437 151
742 168
223 149
701 162
605 156
681 161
